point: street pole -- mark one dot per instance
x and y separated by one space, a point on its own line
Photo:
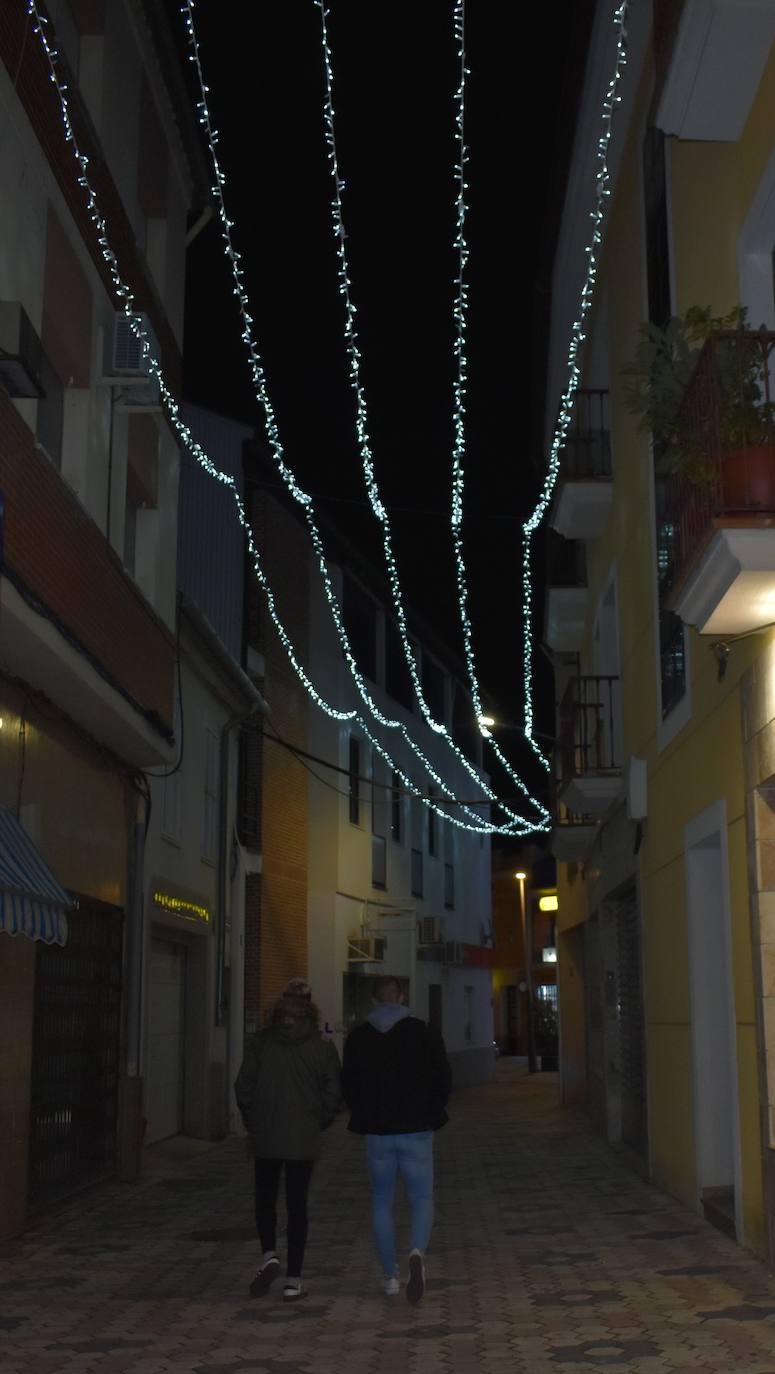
527 946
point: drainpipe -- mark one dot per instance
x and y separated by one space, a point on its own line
131 1088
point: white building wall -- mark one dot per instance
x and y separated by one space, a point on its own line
343 903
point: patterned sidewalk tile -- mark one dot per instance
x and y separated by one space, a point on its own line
548 1257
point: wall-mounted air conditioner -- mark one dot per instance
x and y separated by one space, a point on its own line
362 950
21 353
127 362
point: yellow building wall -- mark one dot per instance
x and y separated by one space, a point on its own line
710 188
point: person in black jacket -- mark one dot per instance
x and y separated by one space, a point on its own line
396 1081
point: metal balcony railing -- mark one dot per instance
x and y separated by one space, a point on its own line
587 450
588 728
728 429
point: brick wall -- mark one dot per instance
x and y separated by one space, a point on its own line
280 945
65 560
40 101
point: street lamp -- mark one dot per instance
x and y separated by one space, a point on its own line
527 945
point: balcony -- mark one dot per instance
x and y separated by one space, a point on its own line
572 835
717 534
566 598
710 58
590 770
585 488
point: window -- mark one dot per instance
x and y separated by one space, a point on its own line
210 802
396 808
398 682
378 861
359 612
66 335
434 1006
672 656
354 767
249 789
449 886
142 482
417 873
432 827
433 688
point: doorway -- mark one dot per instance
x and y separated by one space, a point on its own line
713 1031
166 1041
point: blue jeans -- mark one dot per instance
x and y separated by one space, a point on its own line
411 1156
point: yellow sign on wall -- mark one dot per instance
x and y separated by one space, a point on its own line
190 911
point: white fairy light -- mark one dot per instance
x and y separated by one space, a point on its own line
517 824
351 339
602 192
361 412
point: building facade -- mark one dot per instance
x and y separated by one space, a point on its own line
89 482
358 878
658 616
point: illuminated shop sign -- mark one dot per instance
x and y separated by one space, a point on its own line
188 910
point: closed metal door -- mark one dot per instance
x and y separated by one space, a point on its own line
595 1027
75 1057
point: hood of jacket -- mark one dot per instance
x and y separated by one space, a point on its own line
387 1015
293 1020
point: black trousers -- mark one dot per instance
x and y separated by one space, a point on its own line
298 1173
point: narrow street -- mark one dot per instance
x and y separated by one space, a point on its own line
548 1254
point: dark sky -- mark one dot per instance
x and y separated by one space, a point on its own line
396 71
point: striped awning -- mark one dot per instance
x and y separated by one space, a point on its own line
32 903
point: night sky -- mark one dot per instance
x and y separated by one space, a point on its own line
396 71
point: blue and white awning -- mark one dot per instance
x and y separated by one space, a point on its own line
32 903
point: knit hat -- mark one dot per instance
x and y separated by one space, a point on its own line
298 987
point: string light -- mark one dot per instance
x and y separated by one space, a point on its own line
517 825
361 412
602 193
351 339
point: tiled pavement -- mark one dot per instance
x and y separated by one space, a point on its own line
549 1256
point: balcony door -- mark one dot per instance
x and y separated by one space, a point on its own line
607 662
712 1012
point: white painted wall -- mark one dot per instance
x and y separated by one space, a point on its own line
26 180
340 857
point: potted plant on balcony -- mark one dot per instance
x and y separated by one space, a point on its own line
729 433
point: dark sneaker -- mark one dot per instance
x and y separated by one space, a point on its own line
265 1277
416 1285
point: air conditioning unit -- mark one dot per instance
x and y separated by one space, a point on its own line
428 931
366 950
128 361
453 952
21 353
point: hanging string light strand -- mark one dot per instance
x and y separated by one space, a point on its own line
259 380
361 413
125 295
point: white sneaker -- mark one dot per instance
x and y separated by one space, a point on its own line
416 1285
292 1290
392 1286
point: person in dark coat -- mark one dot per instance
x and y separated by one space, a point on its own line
396 1081
288 1091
